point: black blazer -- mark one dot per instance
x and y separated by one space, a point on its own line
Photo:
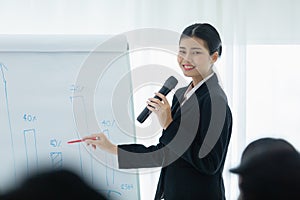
192 150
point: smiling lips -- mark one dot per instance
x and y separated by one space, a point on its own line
188 67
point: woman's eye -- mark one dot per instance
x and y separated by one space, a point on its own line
197 52
181 52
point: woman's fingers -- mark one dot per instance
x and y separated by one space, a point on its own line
153 105
92 136
94 139
152 109
161 108
163 98
163 101
100 140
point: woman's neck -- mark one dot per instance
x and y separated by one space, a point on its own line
198 79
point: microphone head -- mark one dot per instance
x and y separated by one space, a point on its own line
171 82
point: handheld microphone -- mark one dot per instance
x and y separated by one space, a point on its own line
170 84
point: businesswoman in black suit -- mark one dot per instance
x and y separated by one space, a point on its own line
196 129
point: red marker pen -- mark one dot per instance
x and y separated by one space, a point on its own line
82 140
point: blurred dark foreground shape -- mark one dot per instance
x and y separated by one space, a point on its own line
269 170
61 184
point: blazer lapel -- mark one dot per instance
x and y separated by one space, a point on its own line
179 98
193 100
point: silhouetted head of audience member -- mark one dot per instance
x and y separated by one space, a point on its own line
61 184
269 169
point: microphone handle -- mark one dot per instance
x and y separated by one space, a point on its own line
144 115
146 112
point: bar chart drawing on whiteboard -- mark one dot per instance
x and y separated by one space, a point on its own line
43 106
31 150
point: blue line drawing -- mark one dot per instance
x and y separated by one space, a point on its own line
56 160
109 172
76 88
29 117
81 103
55 143
80 159
2 68
82 109
30 150
92 169
111 194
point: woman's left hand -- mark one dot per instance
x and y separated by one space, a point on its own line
101 141
162 109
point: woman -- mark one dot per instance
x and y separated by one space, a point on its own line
196 129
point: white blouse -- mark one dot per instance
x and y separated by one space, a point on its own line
191 90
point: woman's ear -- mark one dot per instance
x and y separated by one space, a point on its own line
214 57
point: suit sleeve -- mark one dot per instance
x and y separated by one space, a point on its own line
208 128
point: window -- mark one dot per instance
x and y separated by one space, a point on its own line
273 92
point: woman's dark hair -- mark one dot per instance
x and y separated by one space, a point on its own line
207 33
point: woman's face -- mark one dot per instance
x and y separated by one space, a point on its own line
194 59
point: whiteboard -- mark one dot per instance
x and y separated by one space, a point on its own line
55 88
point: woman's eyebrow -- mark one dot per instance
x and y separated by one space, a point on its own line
193 48
197 48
